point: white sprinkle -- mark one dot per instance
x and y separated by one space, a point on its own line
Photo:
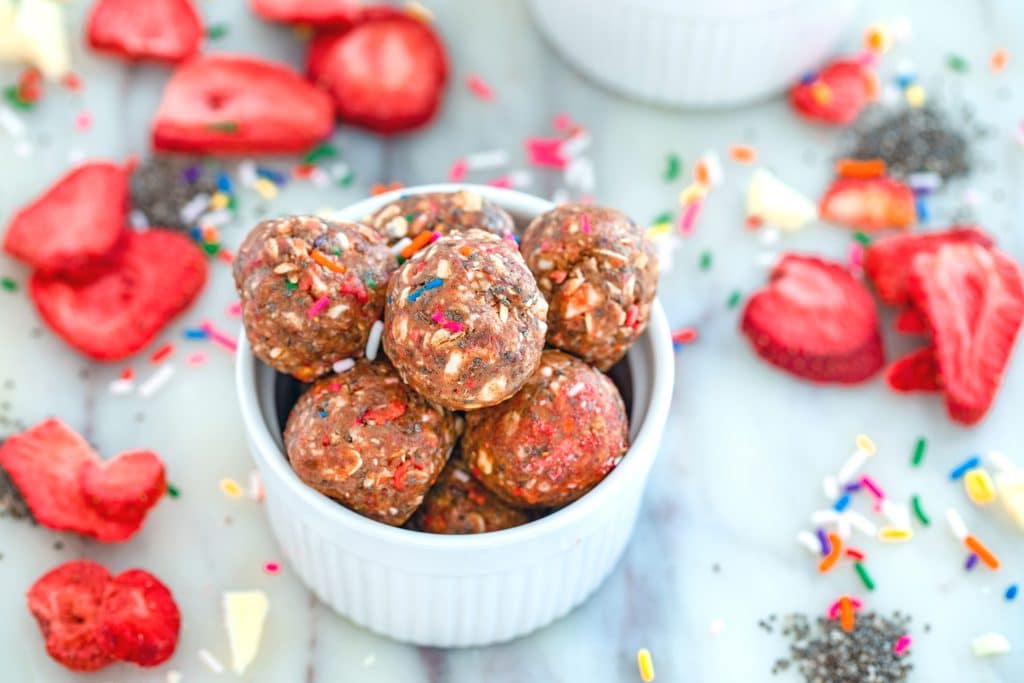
368 660
173 676
956 524
973 196
999 461
255 485
713 164
492 158
717 626
809 541
216 218
852 466
400 245
212 662
820 517
520 178
120 387
861 523
76 155
194 208
318 178
843 527
831 487
156 380
769 235
898 514
11 122
576 145
247 173
373 341
928 181
575 389
343 365
989 644
137 219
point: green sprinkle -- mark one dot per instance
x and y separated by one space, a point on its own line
919 511
862 238
324 150
172 490
400 259
957 63
290 285
410 217
9 284
918 452
232 203
672 167
211 248
663 217
216 31
371 283
865 578
224 126
706 259
337 251
734 298
12 96
347 179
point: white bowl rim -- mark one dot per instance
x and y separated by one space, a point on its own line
640 455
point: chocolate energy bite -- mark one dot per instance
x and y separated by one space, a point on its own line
554 440
311 290
366 440
459 504
442 212
464 322
599 275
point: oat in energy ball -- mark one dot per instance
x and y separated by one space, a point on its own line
442 212
464 323
554 440
459 504
599 275
311 290
366 440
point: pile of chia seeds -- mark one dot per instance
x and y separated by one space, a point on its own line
12 504
823 653
163 184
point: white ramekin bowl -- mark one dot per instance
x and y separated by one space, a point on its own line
694 53
458 590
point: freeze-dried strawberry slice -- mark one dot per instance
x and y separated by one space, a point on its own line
75 224
231 104
973 299
155 276
161 30
837 94
139 620
887 260
911 321
308 12
66 603
869 203
125 487
386 73
815 320
917 371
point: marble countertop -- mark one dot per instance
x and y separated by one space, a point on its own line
745 449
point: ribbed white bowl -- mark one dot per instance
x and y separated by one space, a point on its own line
694 53
458 590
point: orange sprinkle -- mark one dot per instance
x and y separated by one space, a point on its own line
872 86
997 62
836 550
327 263
846 617
701 175
983 553
162 353
743 154
466 250
381 188
860 168
421 240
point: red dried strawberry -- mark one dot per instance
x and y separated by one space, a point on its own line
815 320
911 321
162 30
155 276
125 487
887 260
44 463
228 104
75 224
835 95
386 73
869 203
918 371
139 620
973 299
308 12
66 603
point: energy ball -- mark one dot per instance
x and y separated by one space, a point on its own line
311 290
459 504
443 212
366 440
599 275
464 323
554 440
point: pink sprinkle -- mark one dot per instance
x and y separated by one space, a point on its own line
271 568
218 337
334 387
871 486
83 121
235 309
562 122
437 317
452 326
585 222
457 172
866 58
902 643
546 152
435 236
855 256
479 87
320 305
688 217
502 182
833 610
195 359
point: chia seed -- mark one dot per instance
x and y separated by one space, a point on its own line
12 503
163 184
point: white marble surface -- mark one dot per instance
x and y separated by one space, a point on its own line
743 456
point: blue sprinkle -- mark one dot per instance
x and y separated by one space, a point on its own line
433 284
921 206
904 81
1011 592
270 174
842 503
965 467
196 333
223 182
196 234
809 77
323 413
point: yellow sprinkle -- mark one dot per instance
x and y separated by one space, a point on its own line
915 96
230 488
219 201
892 534
659 230
266 188
821 93
980 487
418 11
865 444
646 664
692 193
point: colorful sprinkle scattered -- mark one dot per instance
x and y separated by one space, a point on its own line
230 488
865 578
646 665
957 63
901 645
318 306
989 644
706 259
162 353
432 284
480 88
216 31
9 284
219 337
964 467
972 561
743 154
271 568
734 298
210 661
684 336
834 553
980 487
847 618
673 166
982 551
1011 592
156 381
919 449
173 491
860 168
999 59
919 511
